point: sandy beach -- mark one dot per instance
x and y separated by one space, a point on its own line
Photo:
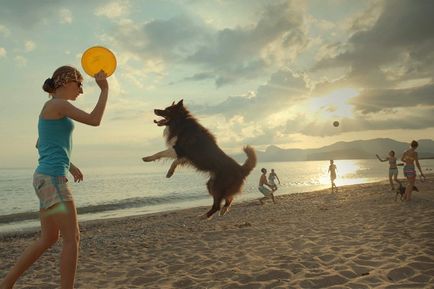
356 238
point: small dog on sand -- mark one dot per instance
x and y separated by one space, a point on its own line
190 143
401 191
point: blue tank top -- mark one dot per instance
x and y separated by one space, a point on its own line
54 146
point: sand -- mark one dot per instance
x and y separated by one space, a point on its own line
356 238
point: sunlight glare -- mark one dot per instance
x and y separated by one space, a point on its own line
347 173
335 104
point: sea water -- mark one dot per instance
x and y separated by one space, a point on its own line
108 192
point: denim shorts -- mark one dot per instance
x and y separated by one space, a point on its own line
51 190
393 172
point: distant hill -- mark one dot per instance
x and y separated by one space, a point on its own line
359 149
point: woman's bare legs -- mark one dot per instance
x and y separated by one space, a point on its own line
391 183
61 217
272 197
68 226
334 187
409 188
49 236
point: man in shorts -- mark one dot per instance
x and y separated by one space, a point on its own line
268 193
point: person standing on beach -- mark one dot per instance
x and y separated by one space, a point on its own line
332 170
271 180
410 157
263 189
57 209
393 168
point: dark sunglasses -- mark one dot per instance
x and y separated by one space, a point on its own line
80 84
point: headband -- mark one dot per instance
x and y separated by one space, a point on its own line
66 77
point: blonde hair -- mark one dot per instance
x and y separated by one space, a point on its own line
61 76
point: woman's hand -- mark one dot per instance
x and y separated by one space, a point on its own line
101 80
76 173
422 177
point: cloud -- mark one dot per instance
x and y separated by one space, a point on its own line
401 40
65 16
114 9
321 24
29 45
225 55
377 100
393 119
281 92
168 40
149 48
258 117
21 61
377 58
2 52
246 52
391 61
28 14
305 125
200 76
4 31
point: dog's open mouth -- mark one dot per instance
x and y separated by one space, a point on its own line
161 122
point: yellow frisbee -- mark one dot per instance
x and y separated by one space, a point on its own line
98 58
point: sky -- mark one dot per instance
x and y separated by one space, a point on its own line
253 72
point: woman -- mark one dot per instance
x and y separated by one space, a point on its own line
271 180
57 209
332 170
393 168
410 157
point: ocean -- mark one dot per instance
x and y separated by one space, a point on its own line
109 192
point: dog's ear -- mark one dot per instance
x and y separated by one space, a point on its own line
180 103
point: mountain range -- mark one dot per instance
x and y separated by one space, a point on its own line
359 149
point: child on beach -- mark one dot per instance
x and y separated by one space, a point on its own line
332 170
57 213
410 157
263 189
271 180
393 168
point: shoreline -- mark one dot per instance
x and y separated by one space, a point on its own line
204 207
356 238
89 215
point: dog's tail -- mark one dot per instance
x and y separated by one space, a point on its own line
250 163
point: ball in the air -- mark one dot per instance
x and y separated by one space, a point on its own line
336 123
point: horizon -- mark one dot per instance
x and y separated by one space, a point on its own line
252 72
237 156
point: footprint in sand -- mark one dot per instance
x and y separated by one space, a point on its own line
400 273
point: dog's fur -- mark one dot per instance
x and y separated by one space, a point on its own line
401 191
190 143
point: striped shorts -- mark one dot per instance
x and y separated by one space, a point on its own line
409 171
51 190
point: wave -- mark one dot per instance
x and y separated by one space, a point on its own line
111 206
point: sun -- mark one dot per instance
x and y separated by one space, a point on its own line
335 104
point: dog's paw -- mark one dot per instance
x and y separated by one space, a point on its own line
169 174
224 210
204 217
147 159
